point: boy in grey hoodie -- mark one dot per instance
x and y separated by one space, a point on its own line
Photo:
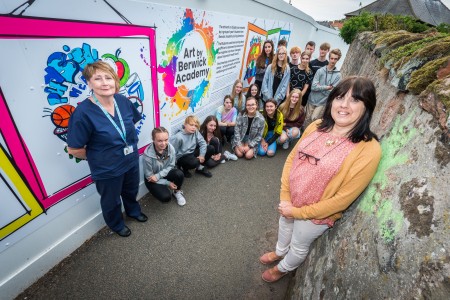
325 79
191 148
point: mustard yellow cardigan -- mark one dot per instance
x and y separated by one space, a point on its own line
355 173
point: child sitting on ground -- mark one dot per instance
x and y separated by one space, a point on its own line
191 148
160 175
211 133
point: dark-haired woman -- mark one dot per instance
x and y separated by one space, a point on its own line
263 60
273 128
328 169
248 130
211 133
253 91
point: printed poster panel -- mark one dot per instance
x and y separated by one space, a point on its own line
201 55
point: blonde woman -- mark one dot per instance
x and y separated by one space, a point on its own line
301 74
237 94
294 116
276 78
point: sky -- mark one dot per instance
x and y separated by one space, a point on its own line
328 10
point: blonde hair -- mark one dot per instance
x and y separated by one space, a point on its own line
285 106
275 60
91 69
307 69
240 95
192 120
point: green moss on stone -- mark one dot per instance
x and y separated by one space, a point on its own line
402 53
424 76
392 37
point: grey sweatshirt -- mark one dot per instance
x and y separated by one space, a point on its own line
185 143
322 79
156 166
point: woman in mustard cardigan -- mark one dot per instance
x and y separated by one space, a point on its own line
327 170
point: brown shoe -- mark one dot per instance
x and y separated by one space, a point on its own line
272 275
269 257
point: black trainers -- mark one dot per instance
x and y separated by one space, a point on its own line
204 172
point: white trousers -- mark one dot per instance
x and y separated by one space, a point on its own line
294 239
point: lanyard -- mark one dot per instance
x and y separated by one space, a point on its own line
123 133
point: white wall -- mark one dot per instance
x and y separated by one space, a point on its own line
64 228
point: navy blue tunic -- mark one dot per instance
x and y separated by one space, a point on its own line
89 126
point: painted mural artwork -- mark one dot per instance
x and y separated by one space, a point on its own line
66 86
36 172
187 67
253 46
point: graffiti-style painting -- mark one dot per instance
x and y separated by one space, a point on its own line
253 47
35 105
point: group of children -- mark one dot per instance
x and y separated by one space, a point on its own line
286 97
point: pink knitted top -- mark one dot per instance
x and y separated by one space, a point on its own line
309 177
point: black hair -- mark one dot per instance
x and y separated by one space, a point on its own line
363 90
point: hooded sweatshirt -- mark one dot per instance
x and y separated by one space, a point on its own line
322 79
185 143
154 165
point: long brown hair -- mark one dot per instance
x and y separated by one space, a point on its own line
286 105
275 60
261 60
204 129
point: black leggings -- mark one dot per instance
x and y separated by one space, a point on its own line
190 161
217 146
227 131
161 191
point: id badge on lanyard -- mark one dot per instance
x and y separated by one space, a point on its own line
127 150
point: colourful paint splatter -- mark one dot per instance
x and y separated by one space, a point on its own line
179 94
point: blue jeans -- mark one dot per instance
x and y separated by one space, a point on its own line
272 147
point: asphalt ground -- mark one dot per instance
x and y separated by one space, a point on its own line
208 249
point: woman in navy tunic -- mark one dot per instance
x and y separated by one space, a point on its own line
101 130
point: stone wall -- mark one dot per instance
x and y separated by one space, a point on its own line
393 242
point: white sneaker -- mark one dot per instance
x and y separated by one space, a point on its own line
180 198
223 161
286 145
230 156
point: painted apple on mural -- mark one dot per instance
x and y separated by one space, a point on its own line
122 68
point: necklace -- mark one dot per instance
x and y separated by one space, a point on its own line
329 142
